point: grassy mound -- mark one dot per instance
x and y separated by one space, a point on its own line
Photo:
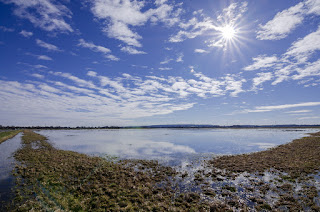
7 135
297 158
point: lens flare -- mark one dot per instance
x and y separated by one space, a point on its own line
228 32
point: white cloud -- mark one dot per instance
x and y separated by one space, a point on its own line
39 57
299 111
201 51
297 63
78 81
302 49
160 2
48 46
285 106
39 76
201 24
26 34
233 13
311 69
73 88
192 29
44 57
313 7
93 47
97 48
282 24
122 16
233 85
252 111
122 32
260 62
165 68
39 66
309 117
92 73
131 50
102 99
45 14
180 58
112 57
6 29
48 88
128 12
260 79
287 20
260 109
216 43
166 61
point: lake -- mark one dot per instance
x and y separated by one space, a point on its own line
171 145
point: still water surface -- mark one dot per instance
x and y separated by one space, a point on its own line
7 150
180 148
171 144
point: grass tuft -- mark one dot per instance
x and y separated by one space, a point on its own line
7 135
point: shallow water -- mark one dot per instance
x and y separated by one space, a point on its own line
7 149
173 146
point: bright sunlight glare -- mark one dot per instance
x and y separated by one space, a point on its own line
228 32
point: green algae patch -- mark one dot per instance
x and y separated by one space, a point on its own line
297 158
7 135
48 179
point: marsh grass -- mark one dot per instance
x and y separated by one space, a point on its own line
293 167
48 179
7 135
298 158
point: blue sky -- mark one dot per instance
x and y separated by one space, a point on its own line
112 62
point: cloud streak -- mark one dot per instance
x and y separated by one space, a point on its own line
26 34
67 98
262 109
47 46
121 18
297 63
285 106
96 48
287 20
47 15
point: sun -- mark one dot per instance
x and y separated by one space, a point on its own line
228 32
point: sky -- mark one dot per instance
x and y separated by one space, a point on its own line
143 62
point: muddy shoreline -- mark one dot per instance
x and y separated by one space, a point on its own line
282 178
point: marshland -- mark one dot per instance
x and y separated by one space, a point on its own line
161 170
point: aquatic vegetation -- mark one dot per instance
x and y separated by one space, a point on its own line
51 179
281 178
48 178
8 134
297 158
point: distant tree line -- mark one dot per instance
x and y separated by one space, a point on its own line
158 126
54 127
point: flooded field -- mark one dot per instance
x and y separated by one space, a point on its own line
170 145
203 169
7 150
